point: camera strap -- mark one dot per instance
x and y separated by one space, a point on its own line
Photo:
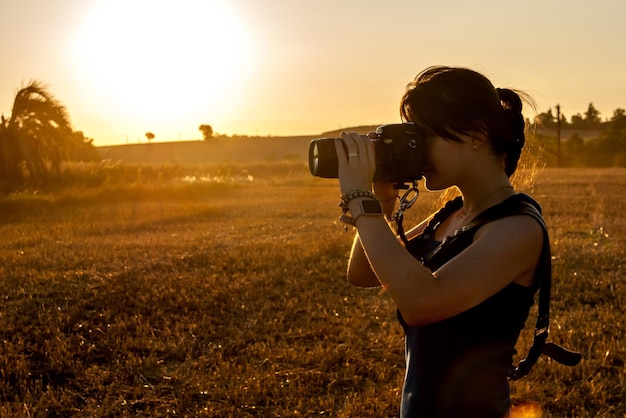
540 344
542 325
406 201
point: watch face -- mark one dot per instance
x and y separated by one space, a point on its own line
371 206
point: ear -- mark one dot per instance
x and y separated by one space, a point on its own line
478 137
473 138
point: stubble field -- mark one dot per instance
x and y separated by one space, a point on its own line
228 299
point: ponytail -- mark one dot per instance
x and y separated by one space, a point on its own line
510 139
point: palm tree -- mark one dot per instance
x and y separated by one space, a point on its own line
36 137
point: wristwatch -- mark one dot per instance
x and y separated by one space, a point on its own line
370 207
365 207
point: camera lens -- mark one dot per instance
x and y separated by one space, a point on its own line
314 158
323 158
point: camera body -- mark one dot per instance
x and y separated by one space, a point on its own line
399 149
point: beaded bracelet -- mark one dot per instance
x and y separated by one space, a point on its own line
348 197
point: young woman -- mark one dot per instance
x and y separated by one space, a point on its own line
463 293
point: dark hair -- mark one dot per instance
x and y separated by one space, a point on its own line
449 101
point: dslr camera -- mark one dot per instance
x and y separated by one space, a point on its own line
399 154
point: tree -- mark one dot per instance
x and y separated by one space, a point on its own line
609 148
618 121
35 138
613 136
546 119
575 143
592 117
578 122
150 136
83 148
207 131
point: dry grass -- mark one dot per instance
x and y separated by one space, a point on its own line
229 300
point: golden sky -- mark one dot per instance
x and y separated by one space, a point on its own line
297 67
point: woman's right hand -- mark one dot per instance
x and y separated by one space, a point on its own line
387 194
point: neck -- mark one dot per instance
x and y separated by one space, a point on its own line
478 199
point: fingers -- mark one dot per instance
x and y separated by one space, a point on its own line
355 154
355 145
369 145
342 153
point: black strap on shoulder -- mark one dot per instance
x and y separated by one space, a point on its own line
539 345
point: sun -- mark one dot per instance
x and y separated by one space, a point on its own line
160 58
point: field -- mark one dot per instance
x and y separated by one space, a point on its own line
226 297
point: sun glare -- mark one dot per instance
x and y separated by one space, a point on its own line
162 59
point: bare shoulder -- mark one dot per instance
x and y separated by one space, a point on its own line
518 228
518 241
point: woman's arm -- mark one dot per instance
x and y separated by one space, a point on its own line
503 251
360 271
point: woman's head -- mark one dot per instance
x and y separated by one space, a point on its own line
450 101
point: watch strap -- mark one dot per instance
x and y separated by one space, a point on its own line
364 207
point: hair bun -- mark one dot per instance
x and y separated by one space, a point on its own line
510 100
514 122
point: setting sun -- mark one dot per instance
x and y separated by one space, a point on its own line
162 59
288 68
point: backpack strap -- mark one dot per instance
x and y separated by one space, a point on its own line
526 206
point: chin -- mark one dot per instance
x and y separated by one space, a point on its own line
431 184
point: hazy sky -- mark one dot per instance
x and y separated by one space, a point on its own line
291 67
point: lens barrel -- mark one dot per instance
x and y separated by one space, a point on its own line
323 158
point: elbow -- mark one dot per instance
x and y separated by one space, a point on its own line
414 320
351 279
410 318
414 317
354 280
362 280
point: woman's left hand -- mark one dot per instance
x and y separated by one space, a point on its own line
356 162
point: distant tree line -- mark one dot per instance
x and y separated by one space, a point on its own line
209 134
592 142
590 120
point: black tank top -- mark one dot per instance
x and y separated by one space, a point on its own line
459 367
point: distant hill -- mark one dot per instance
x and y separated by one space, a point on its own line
360 129
246 149
212 151
219 150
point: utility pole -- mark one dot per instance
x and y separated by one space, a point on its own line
558 135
